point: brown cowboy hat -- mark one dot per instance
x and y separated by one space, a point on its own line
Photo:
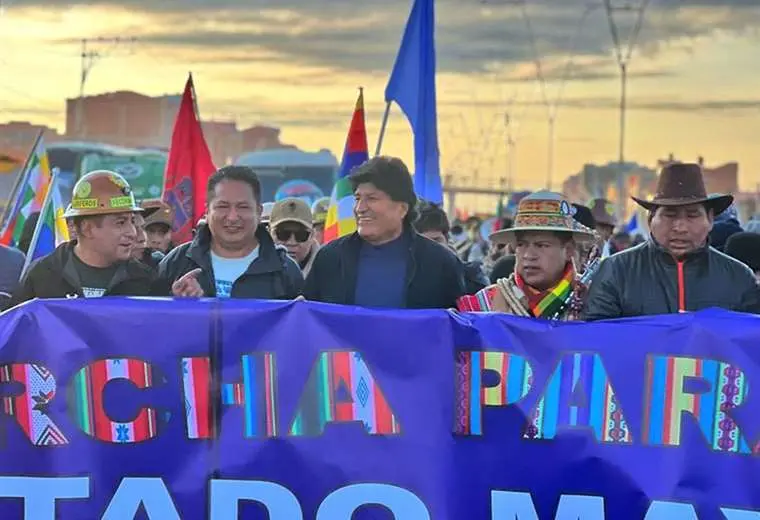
682 184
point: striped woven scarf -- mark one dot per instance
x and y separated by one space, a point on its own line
543 304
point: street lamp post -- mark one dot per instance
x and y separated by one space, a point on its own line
623 59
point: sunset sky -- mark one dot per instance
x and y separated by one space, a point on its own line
694 86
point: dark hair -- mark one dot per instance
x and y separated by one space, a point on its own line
745 247
391 176
234 173
430 217
503 267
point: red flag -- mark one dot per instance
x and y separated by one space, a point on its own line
188 168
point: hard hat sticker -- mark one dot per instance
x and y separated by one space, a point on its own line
84 203
122 202
83 190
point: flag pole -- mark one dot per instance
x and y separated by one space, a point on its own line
17 183
40 222
383 125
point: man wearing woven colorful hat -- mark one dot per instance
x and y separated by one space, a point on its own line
544 283
676 270
98 263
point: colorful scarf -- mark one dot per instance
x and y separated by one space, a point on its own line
544 304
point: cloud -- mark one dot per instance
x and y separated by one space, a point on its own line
646 105
364 35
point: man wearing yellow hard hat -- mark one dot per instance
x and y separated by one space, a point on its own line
98 262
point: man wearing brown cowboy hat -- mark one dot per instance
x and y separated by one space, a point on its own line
98 262
544 282
676 270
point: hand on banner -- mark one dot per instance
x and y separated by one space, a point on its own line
299 298
188 286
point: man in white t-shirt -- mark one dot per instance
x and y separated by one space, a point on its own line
231 256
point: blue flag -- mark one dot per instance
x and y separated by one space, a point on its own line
412 86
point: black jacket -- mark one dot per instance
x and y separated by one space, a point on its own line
646 280
474 277
434 278
272 276
55 276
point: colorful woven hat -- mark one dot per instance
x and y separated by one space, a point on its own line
544 211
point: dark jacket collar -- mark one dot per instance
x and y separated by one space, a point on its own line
663 253
62 261
268 261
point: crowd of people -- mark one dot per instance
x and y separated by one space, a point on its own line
551 259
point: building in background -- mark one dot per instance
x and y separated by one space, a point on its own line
134 120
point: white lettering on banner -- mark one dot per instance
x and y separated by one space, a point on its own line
40 493
739 514
661 510
150 492
344 502
514 505
280 503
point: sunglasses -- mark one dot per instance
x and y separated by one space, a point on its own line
301 235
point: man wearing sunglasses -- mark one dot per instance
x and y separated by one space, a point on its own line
292 227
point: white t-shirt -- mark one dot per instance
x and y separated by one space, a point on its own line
227 270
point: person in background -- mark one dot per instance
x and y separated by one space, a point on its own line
231 255
753 226
433 223
99 261
725 225
319 212
587 251
621 241
291 227
385 263
745 247
503 268
27 232
266 212
497 250
11 264
675 270
159 218
543 284
141 251
603 212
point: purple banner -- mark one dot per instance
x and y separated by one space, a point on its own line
161 409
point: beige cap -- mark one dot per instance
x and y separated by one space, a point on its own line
291 210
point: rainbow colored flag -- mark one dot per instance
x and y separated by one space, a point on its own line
51 229
29 196
340 215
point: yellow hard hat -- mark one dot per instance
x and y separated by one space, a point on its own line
99 193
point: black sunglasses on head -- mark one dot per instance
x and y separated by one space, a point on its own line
283 234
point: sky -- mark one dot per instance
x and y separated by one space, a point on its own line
692 89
